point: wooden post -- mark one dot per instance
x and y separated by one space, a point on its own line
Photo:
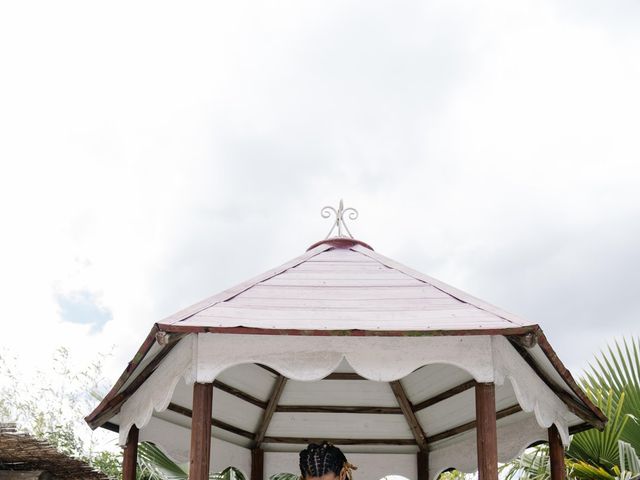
487 437
257 464
130 455
201 431
556 454
423 465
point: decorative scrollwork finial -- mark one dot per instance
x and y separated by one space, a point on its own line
339 223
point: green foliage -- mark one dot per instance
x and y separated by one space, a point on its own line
51 405
533 464
109 463
454 475
601 448
619 370
284 476
229 473
153 464
613 384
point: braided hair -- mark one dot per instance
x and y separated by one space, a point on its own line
319 459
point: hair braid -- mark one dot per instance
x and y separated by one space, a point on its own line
319 459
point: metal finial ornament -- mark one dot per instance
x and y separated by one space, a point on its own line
339 224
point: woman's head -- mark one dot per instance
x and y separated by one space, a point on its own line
324 461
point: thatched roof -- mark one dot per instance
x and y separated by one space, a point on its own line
22 452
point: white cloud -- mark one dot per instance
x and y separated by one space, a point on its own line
155 153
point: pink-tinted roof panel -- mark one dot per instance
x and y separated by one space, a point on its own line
345 289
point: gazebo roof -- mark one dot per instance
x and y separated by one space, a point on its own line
292 354
342 284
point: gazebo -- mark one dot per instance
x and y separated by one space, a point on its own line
406 374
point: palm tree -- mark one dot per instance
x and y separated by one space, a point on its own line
153 464
612 382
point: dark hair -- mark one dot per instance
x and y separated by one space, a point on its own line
317 460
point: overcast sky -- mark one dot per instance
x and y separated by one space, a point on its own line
155 153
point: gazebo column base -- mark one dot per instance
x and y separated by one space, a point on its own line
130 455
201 431
423 465
486 431
257 464
556 454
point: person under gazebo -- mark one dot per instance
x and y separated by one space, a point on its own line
324 462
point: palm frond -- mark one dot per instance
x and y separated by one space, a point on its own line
629 459
284 476
533 464
619 369
601 448
581 470
155 465
229 473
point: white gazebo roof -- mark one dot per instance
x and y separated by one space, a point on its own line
344 344
351 288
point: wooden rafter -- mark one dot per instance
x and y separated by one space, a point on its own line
124 377
347 441
340 409
574 406
409 415
341 441
505 412
444 395
112 407
344 376
216 423
239 394
337 409
268 369
270 410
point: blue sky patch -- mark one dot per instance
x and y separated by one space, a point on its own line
82 307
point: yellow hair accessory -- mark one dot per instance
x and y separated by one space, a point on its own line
345 473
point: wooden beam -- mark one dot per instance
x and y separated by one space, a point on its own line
581 427
574 406
552 356
423 465
344 376
111 407
181 328
124 377
239 394
465 427
407 411
556 454
268 369
444 395
486 431
257 464
112 427
528 340
341 441
270 410
201 431
336 409
216 423
130 455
